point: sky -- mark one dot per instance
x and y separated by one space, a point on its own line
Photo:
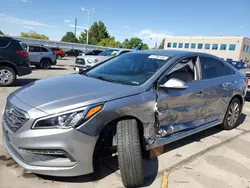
146 19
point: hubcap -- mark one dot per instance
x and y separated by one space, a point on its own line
5 76
233 114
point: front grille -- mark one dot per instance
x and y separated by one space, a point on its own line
13 117
80 61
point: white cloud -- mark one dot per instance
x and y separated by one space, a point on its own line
28 27
67 21
26 1
149 34
78 27
2 14
15 20
127 27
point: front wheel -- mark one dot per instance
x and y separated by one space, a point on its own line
231 119
129 153
7 76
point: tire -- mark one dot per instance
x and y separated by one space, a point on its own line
7 76
45 64
231 119
129 153
59 57
37 66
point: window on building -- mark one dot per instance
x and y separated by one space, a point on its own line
186 45
213 68
193 45
200 46
247 49
223 47
207 46
169 45
174 45
180 45
215 47
232 47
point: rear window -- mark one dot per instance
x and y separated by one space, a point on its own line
4 42
34 49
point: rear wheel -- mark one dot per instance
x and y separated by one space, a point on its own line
59 57
45 64
7 76
232 115
129 153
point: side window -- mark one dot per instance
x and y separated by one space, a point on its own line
213 68
184 70
4 43
44 50
34 49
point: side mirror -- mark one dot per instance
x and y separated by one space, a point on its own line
174 83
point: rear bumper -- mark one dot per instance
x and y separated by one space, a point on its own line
24 71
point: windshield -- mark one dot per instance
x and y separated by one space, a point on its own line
107 52
130 69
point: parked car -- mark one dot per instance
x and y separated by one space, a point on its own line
85 62
14 61
58 52
41 56
242 67
92 52
73 52
129 104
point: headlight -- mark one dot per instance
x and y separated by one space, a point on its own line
67 120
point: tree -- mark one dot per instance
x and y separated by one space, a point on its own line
1 33
34 35
162 44
97 32
69 37
109 42
133 42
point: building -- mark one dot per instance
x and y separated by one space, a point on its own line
229 48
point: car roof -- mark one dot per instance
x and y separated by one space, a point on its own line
171 53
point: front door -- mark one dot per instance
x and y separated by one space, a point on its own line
179 110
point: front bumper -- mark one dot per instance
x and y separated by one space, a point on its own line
79 67
24 70
25 146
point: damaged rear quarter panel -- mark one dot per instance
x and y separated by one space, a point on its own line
140 106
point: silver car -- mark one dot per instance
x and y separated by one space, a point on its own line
84 62
131 103
41 56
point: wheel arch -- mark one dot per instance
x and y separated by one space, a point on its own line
9 64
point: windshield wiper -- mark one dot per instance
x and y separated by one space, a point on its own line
106 79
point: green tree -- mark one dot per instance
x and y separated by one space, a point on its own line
133 42
69 37
1 33
34 35
97 32
161 46
109 42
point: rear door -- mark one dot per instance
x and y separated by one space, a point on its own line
218 78
34 53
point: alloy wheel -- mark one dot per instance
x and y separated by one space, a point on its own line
5 76
233 114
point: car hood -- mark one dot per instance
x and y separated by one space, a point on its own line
58 94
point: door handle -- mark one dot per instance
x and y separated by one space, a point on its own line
200 93
228 84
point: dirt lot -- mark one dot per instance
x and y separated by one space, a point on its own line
211 159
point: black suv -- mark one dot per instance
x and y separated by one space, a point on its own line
14 60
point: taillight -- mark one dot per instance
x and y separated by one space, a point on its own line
246 80
23 53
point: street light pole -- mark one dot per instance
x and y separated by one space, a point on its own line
88 12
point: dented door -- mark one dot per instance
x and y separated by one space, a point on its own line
181 109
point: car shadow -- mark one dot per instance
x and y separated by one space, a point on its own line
23 81
105 167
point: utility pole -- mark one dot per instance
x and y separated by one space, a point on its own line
75 25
